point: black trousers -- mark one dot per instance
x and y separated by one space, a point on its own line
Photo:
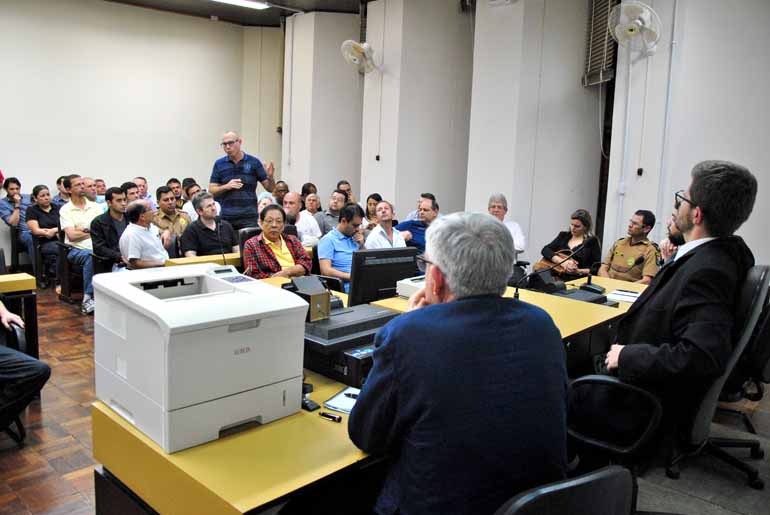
21 377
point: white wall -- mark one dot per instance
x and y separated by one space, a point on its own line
719 109
534 129
421 132
115 91
322 103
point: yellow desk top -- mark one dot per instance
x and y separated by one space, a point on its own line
233 474
278 281
610 285
10 283
231 258
570 316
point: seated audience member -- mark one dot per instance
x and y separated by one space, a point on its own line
384 236
107 228
370 220
428 213
345 186
677 337
13 210
415 215
43 222
208 235
186 183
140 243
307 189
312 204
168 217
328 220
21 376
144 192
579 240
75 219
176 188
272 254
281 189
63 186
101 190
464 446
335 250
191 190
498 207
89 185
131 190
621 261
670 245
264 199
307 228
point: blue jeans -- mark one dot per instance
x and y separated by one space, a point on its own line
21 377
82 257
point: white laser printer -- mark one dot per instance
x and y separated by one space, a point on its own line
185 352
407 287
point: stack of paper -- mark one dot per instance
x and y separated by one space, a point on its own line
342 402
623 296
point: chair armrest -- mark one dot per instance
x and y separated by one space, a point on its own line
17 339
333 283
615 383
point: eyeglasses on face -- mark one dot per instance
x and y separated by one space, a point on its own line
679 198
273 221
422 263
229 143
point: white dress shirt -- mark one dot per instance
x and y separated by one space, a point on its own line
307 229
378 239
687 247
519 240
136 242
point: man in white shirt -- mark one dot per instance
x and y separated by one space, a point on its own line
140 243
307 228
384 236
498 207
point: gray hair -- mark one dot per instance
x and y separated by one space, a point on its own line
198 199
498 198
474 251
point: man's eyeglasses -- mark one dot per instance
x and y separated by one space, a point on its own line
422 263
229 143
272 221
679 198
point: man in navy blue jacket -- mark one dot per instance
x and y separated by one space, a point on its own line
467 395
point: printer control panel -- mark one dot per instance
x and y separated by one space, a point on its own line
230 274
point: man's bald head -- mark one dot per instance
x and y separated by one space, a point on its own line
292 203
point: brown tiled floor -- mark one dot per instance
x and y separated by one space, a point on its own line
53 472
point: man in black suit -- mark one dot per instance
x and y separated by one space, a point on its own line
677 337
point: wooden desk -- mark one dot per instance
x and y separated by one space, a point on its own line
610 285
570 316
278 281
231 258
20 297
234 474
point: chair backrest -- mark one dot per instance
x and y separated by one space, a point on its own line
290 230
607 491
315 267
3 266
245 234
749 305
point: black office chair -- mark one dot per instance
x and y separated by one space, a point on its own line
3 266
290 230
16 249
751 302
752 372
246 234
15 339
607 491
332 283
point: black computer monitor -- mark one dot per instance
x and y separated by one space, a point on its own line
375 272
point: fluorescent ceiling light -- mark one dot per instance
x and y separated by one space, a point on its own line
245 3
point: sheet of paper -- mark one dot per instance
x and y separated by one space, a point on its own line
342 402
623 296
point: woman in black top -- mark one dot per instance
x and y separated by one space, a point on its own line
578 234
43 222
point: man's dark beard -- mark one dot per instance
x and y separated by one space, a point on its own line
676 239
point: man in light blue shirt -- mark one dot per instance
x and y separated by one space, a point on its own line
13 211
335 250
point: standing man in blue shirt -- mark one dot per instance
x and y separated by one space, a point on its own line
13 210
234 182
335 250
427 213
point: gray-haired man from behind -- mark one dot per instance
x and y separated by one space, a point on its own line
460 323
